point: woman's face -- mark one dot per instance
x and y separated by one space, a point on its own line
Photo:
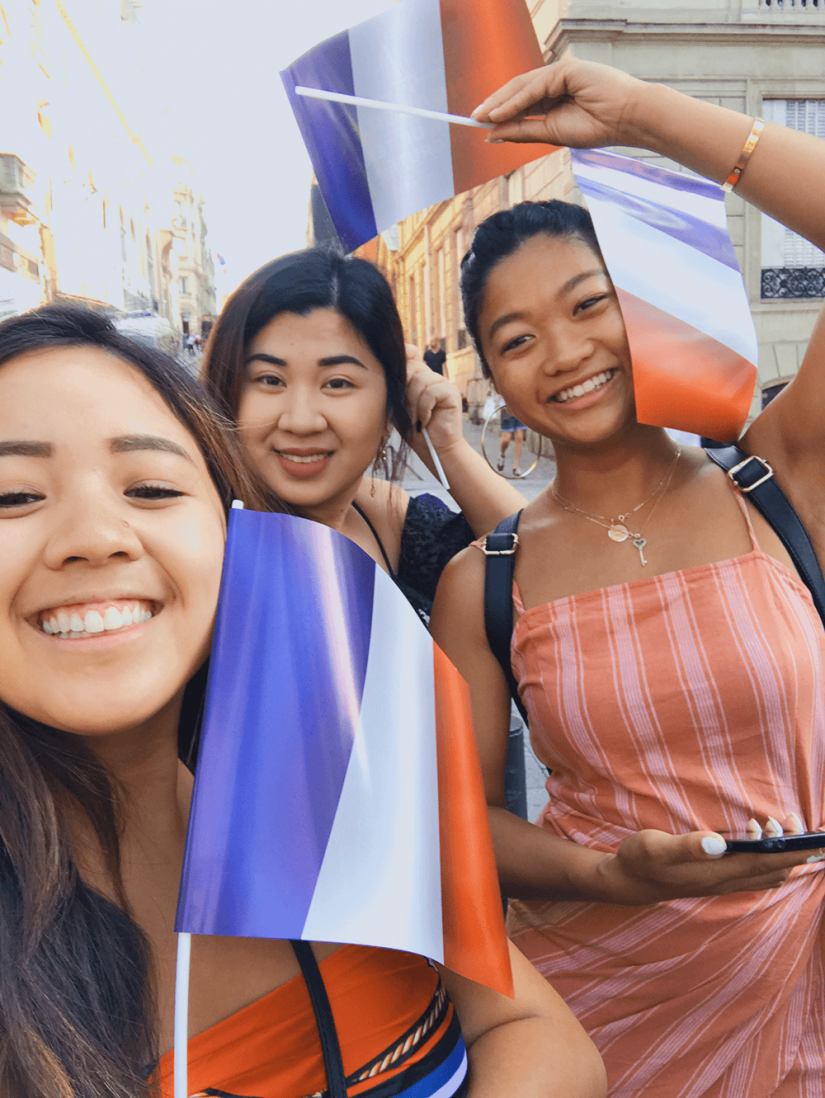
111 541
553 335
313 408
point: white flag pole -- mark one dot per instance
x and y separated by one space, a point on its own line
181 1031
380 105
439 468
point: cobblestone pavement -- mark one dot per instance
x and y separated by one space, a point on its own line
419 479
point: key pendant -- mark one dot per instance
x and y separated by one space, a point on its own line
640 543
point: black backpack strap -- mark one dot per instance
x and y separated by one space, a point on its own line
499 550
754 477
333 1064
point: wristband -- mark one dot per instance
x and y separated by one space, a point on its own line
745 154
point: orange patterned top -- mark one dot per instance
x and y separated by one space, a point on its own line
390 1013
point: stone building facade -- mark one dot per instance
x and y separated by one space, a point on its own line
86 209
763 57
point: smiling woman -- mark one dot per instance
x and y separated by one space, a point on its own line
308 357
670 659
115 481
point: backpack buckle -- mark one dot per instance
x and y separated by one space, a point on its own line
768 473
506 539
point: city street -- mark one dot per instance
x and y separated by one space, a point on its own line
419 479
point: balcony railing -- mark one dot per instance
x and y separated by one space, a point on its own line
793 282
793 5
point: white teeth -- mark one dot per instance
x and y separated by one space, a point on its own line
93 622
112 618
304 459
72 626
587 386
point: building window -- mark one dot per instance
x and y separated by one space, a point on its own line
771 391
413 313
183 285
792 267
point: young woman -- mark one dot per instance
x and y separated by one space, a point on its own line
673 698
308 357
115 479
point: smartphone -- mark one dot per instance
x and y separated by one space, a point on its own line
768 844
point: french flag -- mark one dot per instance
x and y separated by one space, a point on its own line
665 241
376 167
338 794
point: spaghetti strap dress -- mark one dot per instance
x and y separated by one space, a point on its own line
684 701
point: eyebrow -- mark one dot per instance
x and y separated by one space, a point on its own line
332 360
569 285
126 443
23 448
123 445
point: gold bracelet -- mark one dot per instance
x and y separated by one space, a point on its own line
745 155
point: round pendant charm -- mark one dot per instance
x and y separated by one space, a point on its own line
618 532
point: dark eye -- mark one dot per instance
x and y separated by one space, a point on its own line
19 499
269 381
519 341
589 302
153 491
339 383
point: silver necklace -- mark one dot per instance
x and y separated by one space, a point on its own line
617 529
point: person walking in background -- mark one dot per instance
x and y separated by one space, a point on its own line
434 356
511 427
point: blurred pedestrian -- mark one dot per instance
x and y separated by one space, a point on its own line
434 356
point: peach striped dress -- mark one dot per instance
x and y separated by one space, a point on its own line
688 700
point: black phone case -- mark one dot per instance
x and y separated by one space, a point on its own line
810 840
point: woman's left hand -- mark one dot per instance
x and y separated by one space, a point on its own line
434 403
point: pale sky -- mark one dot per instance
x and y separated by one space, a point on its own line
212 88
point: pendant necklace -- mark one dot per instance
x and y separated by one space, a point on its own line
617 529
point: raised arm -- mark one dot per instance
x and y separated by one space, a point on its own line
435 403
649 867
584 104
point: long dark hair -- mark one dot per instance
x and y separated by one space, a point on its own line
298 283
503 233
76 1008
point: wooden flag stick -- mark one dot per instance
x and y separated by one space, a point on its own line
378 104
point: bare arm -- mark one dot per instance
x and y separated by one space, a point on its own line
484 497
530 1046
649 867
584 104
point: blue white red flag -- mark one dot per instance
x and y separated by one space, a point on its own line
375 168
338 794
665 241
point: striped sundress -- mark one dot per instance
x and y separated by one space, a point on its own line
683 701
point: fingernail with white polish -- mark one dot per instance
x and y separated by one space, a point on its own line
494 141
714 846
773 828
792 824
753 830
815 857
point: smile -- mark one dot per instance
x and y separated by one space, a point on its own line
90 619
305 459
588 386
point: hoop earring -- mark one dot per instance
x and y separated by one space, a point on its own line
518 476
